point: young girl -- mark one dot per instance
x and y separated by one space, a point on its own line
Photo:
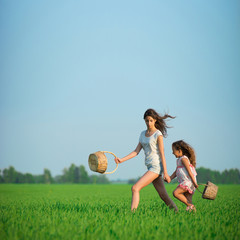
151 140
185 173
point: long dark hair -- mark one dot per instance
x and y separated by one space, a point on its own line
186 150
160 123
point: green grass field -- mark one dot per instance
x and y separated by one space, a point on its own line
103 212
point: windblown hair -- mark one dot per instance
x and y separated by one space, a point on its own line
160 123
186 150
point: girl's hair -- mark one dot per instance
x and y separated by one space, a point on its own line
186 150
160 123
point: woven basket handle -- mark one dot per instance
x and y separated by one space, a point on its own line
117 163
203 185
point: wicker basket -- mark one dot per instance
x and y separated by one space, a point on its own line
98 162
210 191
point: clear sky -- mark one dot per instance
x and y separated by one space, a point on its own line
77 76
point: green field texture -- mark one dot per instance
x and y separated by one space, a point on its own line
103 212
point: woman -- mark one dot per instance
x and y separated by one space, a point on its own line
151 140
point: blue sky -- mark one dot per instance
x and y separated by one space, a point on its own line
77 76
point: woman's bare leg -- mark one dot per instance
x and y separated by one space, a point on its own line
146 179
160 187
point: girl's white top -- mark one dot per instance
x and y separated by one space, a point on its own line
150 147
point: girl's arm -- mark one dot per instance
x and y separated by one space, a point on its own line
161 151
131 155
173 175
186 165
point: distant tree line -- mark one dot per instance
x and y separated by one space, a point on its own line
73 174
231 176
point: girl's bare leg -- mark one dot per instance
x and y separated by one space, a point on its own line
179 193
146 179
160 187
189 197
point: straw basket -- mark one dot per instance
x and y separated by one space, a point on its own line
210 191
98 162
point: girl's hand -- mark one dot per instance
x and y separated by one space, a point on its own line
117 160
166 178
195 185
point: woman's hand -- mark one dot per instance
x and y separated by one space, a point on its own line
166 178
118 160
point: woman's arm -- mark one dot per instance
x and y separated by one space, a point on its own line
186 165
173 175
161 151
131 155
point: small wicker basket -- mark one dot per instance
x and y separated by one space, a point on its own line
98 162
210 191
